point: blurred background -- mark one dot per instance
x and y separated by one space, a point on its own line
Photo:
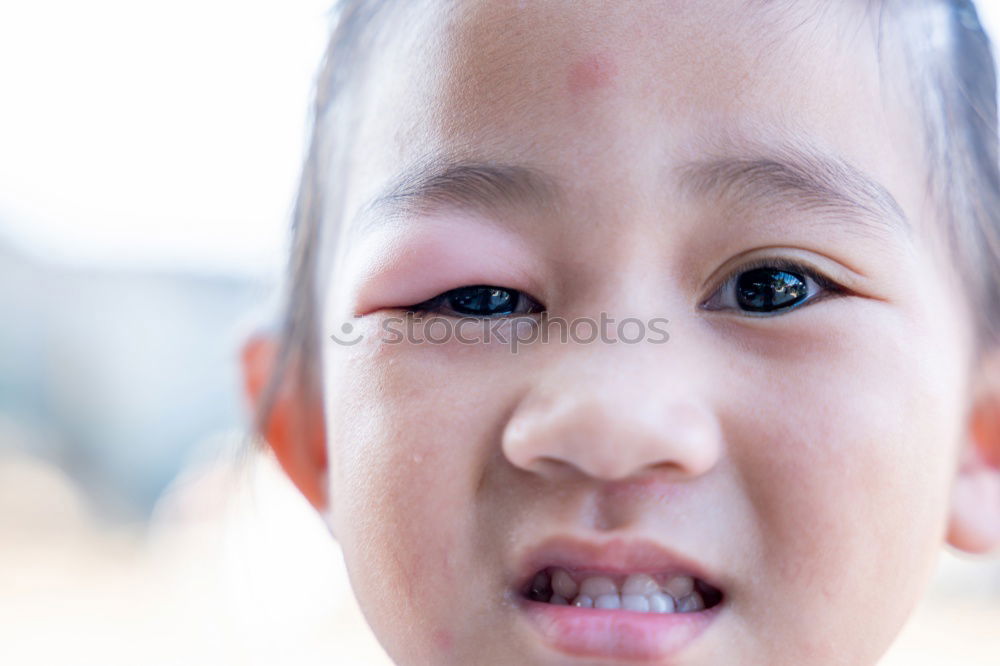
148 158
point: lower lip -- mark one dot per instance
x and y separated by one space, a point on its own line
618 634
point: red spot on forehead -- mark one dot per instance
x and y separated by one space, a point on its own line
592 73
443 640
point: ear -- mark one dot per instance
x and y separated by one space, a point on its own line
294 427
975 515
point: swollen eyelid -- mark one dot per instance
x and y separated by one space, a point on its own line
412 265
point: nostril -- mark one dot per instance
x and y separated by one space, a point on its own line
553 467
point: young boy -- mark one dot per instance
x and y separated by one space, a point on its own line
805 191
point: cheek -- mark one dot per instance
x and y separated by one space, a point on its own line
846 460
409 435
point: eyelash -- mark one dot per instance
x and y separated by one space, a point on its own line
828 288
436 303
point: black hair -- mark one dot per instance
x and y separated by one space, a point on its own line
953 76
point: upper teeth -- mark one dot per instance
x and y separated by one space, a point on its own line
563 584
640 592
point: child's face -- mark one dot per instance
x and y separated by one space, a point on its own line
800 463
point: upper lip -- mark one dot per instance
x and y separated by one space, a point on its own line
617 556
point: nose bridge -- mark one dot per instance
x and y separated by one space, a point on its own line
613 410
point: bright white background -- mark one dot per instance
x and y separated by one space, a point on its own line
154 133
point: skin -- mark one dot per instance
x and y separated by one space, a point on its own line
815 460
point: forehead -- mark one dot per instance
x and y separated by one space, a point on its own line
611 93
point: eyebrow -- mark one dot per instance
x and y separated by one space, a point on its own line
441 183
803 178
792 175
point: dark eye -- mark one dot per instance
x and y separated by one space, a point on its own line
479 301
770 287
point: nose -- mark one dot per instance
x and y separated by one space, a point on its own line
610 419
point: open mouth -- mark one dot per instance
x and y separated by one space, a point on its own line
624 598
653 592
